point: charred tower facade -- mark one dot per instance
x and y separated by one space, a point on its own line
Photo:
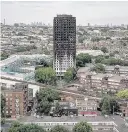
64 38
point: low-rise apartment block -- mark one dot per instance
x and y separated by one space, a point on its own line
16 100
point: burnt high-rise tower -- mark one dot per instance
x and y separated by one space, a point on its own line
64 38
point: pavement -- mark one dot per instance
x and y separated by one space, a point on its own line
120 123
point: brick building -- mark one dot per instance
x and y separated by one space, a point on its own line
16 100
103 82
86 107
124 107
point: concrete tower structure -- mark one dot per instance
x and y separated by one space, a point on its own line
64 38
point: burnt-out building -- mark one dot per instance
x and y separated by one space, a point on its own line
64 38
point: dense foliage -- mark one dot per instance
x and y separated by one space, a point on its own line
110 61
25 48
113 61
99 68
123 94
44 63
18 127
59 128
104 49
70 74
4 55
108 105
45 98
79 127
99 58
45 75
82 59
82 127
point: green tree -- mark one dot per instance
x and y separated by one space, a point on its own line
99 68
45 75
104 49
3 101
4 55
15 127
113 61
82 59
82 127
44 107
114 105
99 59
70 75
123 94
45 97
112 54
95 39
2 121
95 48
108 105
59 128
16 25
43 62
31 128
57 108
81 39
18 127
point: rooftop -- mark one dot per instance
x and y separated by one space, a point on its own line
90 52
68 119
83 69
64 15
116 119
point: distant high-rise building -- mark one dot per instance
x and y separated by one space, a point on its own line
64 38
4 21
88 24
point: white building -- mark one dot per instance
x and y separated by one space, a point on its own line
8 83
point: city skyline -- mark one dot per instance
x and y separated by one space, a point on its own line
101 13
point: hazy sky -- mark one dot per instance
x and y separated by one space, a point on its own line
85 12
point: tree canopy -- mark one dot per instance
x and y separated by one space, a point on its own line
59 128
123 94
4 55
57 108
45 97
95 48
99 68
43 63
45 75
18 127
104 49
113 61
108 105
15 127
82 59
82 127
99 58
70 74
